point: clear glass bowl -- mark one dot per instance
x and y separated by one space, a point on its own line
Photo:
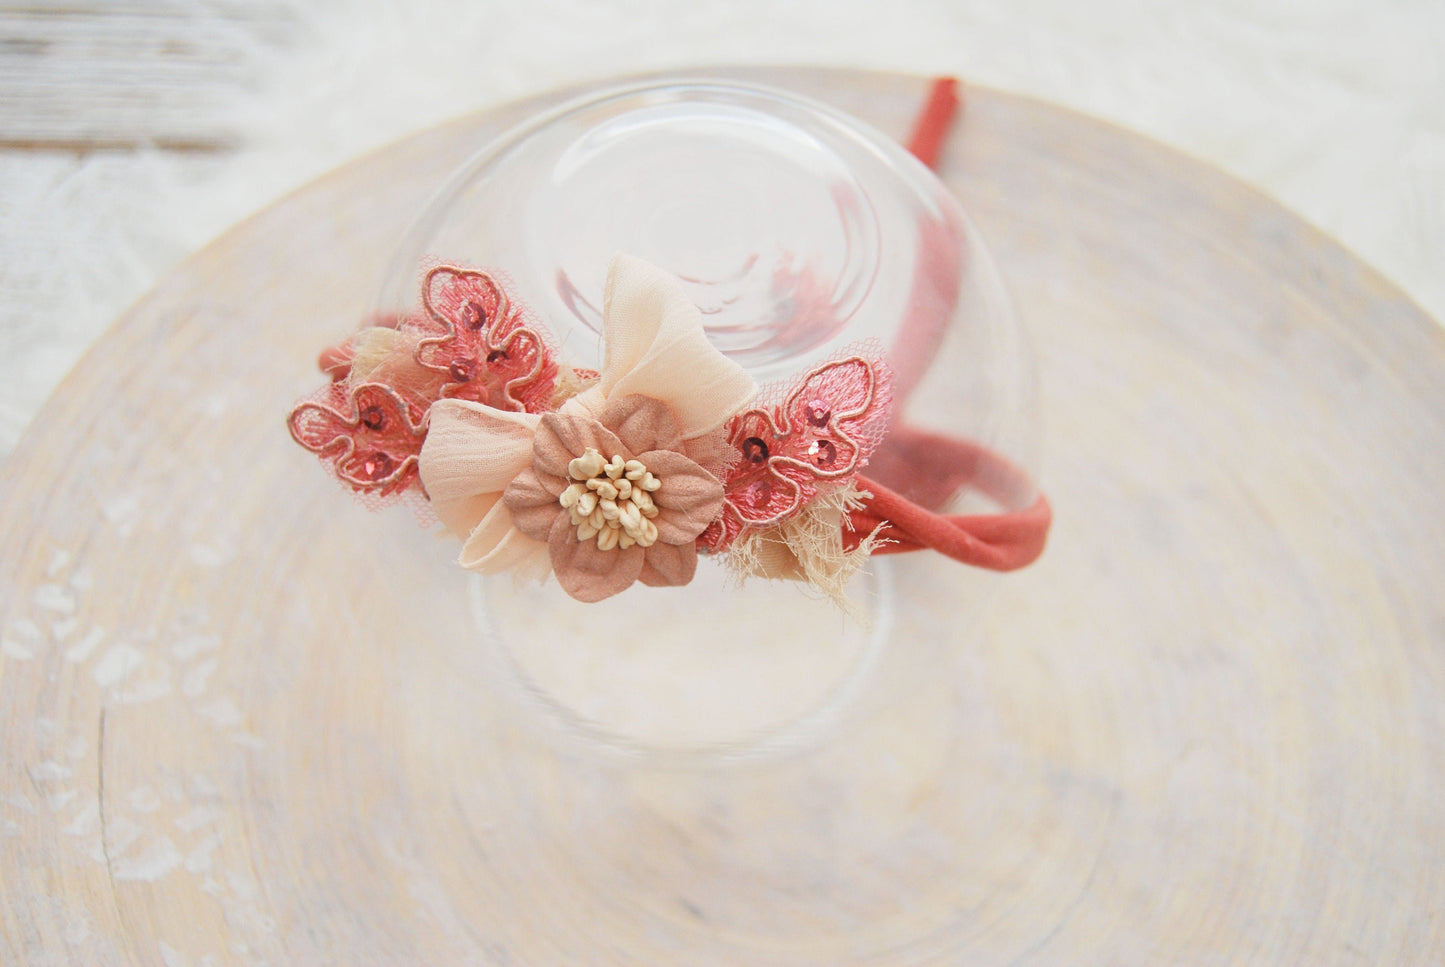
800 232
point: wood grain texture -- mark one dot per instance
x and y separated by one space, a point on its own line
246 722
115 74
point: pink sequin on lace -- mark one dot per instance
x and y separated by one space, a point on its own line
824 431
368 433
481 344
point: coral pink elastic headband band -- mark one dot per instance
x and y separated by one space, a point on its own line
938 466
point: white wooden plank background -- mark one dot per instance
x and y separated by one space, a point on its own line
110 74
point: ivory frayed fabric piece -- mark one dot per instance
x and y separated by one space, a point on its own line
607 477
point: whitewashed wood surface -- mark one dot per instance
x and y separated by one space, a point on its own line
125 74
247 723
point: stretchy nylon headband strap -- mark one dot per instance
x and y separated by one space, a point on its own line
931 467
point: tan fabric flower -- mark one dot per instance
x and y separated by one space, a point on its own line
655 352
602 547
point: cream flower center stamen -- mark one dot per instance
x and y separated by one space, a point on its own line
611 500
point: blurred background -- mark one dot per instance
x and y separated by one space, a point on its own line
131 133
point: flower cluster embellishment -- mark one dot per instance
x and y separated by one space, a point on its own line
504 481
602 478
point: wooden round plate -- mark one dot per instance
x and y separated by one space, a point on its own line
242 724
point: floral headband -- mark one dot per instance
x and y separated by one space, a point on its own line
626 473
611 476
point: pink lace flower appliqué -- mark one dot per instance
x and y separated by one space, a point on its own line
823 432
368 432
480 345
468 341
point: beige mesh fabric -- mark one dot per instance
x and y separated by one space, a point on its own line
472 450
661 351
496 546
570 382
